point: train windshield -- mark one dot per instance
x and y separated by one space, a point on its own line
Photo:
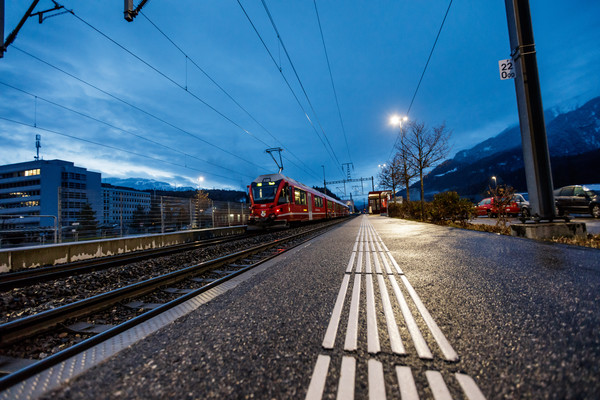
264 192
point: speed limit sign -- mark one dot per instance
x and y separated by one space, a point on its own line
507 70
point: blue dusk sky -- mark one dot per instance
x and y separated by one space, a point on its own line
190 94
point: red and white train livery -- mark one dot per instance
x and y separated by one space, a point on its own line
279 200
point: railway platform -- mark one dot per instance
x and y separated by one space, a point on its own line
376 308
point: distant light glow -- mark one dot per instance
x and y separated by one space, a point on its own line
397 120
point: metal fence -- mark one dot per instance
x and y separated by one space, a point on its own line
165 214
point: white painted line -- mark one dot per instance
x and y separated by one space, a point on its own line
408 389
319 376
351 263
394 262
438 386
359 262
376 381
388 270
418 340
445 346
392 327
377 264
469 386
355 245
368 259
334 322
347 383
372 332
352 330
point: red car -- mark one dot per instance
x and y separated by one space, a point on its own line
487 206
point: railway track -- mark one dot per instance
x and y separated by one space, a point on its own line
31 276
82 324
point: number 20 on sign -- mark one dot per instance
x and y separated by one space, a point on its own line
507 70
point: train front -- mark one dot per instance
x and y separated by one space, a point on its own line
270 205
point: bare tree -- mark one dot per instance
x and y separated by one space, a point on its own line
426 147
390 175
407 168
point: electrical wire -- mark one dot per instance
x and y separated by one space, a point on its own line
423 73
189 58
115 148
133 106
285 79
298 78
337 103
115 127
169 79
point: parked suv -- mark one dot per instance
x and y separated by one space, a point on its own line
577 199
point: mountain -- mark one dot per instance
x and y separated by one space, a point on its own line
144 184
573 142
165 189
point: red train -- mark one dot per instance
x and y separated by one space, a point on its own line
279 200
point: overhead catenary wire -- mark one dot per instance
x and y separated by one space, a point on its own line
188 58
133 106
337 103
285 79
423 74
169 79
114 127
114 148
287 54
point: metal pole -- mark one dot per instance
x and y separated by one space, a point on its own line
213 212
228 214
2 27
531 112
162 216
59 216
55 228
324 183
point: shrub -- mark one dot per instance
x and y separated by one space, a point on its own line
449 207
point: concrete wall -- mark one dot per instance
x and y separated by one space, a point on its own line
30 257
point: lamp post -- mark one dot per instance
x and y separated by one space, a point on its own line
396 120
495 181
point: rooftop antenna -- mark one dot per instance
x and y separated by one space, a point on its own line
279 150
38 145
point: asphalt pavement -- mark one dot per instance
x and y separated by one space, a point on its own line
515 318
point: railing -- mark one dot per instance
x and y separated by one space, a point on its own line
166 214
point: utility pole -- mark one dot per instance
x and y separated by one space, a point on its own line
324 183
2 27
531 112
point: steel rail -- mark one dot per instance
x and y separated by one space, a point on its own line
27 372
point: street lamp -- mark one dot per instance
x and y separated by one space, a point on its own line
397 120
495 182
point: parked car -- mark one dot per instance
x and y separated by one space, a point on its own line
518 206
577 199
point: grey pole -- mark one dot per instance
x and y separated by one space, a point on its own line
531 112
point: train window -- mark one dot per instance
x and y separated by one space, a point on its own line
318 201
284 197
264 192
299 197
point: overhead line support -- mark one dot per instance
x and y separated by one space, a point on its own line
13 35
130 13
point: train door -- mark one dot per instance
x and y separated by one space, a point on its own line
310 205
